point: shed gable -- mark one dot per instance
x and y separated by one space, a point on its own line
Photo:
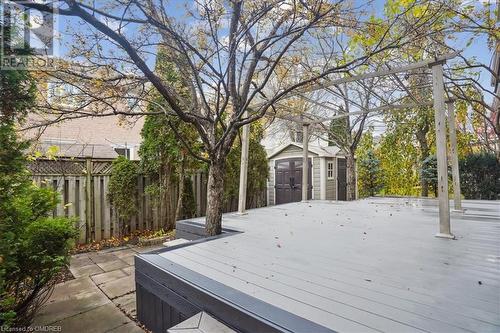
291 151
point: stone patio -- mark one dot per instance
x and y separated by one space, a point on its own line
101 298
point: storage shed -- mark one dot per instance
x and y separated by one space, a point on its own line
327 174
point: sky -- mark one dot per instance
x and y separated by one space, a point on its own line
477 49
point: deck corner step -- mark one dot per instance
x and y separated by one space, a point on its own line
201 322
175 242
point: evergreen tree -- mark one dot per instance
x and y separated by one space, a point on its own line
369 174
480 176
257 168
165 156
429 173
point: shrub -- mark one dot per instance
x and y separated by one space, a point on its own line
188 200
42 251
33 247
480 176
49 237
258 168
122 191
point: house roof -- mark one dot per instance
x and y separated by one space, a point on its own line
79 150
329 151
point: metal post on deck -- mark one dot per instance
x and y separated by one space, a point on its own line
442 164
245 142
457 196
305 161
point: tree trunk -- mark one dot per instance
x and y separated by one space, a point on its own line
351 177
178 209
163 199
170 203
167 211
215 197
424 153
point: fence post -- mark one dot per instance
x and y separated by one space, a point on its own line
88 200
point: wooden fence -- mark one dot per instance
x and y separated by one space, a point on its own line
83 186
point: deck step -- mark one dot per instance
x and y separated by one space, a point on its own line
174 242
201 322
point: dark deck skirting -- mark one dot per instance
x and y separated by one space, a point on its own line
190 230
168 293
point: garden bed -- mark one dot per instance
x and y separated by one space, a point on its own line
140 238
64 275
156 238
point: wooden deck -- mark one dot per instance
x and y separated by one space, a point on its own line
364 266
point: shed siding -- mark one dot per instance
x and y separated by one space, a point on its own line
270 184
316 178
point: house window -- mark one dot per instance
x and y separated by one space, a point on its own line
299 137
123 152
62 93
329 170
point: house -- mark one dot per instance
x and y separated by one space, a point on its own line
76 135
96 137
327 174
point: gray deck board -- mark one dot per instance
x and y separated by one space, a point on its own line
363 297
345 278
368 265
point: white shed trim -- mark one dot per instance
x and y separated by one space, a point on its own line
329 151
322 178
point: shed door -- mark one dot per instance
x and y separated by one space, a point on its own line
341 179
288 180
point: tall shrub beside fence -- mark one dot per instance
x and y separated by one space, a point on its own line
480 176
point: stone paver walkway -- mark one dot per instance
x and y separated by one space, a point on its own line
100 299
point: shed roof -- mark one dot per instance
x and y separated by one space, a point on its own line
329 151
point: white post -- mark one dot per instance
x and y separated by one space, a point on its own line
245 142
322 178
442 164
305 161
457 196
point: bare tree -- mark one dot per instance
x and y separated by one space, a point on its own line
469 77
229 51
